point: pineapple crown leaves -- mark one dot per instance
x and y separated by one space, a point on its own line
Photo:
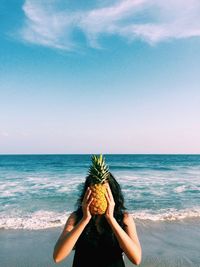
98 171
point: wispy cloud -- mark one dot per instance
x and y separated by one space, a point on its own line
4 134
149 20
12 133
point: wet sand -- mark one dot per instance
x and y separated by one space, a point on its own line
164 244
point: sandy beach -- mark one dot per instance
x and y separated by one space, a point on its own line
169 244
38 192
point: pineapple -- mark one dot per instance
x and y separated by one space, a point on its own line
99 174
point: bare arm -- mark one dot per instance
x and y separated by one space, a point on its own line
68 238
128 239
72 231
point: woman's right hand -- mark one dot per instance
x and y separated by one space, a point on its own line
87 200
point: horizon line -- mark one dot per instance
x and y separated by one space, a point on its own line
18 154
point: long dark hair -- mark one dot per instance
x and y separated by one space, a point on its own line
119 208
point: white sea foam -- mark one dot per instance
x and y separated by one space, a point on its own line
7 193
8 184
45 182
183 188
167 215
38 220
35 184
158 192
180 189
12 191
64 189
47 219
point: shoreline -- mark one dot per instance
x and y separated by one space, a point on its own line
170 244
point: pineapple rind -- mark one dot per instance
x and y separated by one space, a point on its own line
99 203
98 173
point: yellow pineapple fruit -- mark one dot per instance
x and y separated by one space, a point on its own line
99 174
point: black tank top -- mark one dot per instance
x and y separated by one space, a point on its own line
106 252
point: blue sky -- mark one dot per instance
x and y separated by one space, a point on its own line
99 76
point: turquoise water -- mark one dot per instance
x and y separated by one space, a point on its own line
39 191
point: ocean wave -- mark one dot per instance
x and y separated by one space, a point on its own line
34 185
131 167
167 215
34 221
180 189
48 219
184 188
12 191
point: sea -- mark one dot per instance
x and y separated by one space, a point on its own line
40 191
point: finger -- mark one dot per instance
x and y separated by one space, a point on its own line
86 201
107 197
86 193
89 198
109 193
90 201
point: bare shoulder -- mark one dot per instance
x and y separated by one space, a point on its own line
128 219
70 223
130 228
72 217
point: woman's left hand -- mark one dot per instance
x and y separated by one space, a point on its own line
109 214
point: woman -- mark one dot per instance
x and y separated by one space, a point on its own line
100 240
